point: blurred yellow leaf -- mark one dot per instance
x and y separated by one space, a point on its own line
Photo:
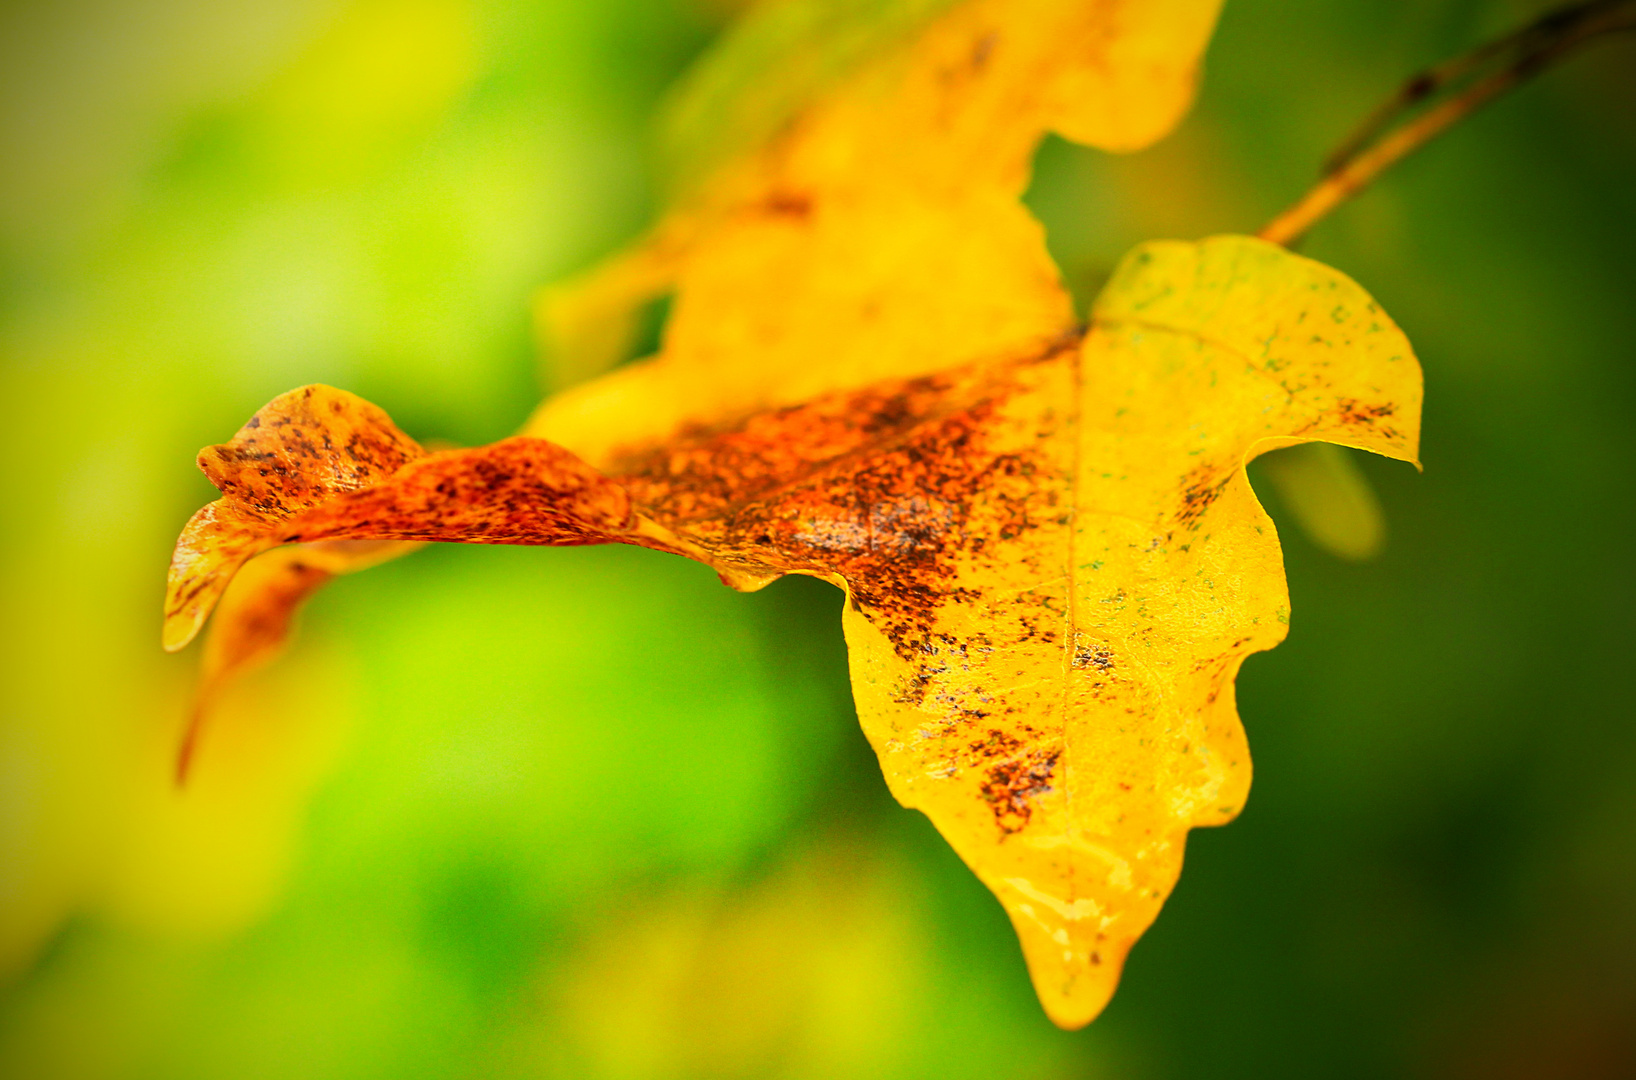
881 231
1330 499
1054 563
809 972
769 65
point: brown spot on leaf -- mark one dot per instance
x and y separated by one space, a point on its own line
1011 787
877 485
788 204
1201 487
1352 412
1099 658
983 50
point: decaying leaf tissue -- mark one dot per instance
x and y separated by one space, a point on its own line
871 374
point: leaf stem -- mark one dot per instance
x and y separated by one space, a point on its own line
1377 145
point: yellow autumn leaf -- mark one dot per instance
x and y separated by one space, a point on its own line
1053 560
879 234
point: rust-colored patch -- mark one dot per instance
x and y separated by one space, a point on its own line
1011 787
789 204
1350 412
1200 488
1017 769
1353 411
322 464
876 485
304 447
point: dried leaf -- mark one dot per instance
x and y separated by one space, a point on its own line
322 464
294 454
1054 561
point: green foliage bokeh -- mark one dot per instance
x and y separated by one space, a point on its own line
585 813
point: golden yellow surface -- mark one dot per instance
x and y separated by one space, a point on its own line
1110 640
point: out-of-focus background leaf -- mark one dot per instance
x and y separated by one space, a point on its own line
585 813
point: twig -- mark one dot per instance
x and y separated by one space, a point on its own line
1421 87
1376 146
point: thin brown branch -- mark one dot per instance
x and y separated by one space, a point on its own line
1376 145
1423 86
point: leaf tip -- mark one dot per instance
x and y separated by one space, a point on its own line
180 629
1075 1002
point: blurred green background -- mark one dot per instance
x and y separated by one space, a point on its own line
585 813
